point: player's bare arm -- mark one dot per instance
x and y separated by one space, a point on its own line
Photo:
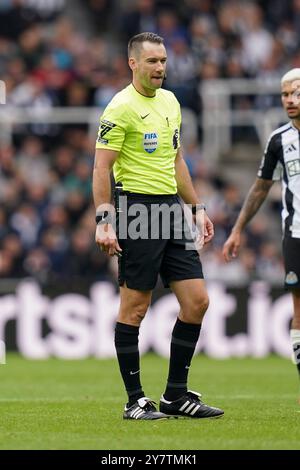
184 182
105 236
187 192
256 196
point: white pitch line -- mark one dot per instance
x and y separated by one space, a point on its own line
254 396
49 400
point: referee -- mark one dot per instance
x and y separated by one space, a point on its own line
139 139
281 160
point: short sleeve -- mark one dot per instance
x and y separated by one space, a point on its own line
179 122
112 130
270 168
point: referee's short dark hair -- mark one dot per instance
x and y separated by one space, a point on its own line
136 41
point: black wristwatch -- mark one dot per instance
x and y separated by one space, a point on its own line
104 217
198 207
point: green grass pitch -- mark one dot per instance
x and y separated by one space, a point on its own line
55 404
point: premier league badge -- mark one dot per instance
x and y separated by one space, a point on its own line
291 278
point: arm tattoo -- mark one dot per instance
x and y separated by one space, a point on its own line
254 200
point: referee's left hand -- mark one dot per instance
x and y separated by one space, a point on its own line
208 229
205 227
106 239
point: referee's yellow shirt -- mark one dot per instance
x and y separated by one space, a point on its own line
145 132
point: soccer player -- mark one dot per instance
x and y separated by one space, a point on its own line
139 138
281 160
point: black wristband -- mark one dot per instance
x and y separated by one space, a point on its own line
198 207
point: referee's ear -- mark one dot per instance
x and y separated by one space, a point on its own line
132 63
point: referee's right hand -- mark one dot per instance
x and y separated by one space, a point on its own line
107 240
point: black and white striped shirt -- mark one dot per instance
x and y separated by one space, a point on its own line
281 160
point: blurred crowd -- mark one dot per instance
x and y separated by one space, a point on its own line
48 54
47 217
63 53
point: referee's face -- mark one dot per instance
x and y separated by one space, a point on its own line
290 97
149 67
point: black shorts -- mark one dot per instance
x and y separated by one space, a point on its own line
145 257
291 255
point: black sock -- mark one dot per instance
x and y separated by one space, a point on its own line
126 343
184 340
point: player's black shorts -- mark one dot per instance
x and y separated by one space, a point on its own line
291 255
163 249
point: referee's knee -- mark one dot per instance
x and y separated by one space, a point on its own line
200 306
196 309
133 315
139 313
